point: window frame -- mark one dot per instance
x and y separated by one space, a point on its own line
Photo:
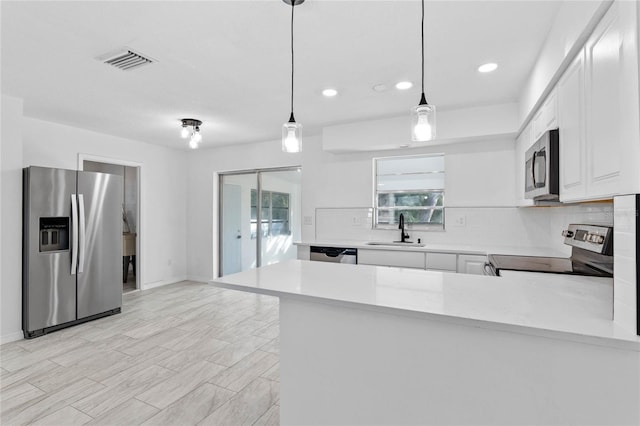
415 226
269 221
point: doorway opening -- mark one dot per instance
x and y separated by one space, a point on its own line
130 173
259 218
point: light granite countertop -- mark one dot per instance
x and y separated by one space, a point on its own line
573 308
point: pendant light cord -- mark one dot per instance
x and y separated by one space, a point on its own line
293 6
423 100
422 36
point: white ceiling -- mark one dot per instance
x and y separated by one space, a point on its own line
227 63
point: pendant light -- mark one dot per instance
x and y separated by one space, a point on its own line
292 131
423 116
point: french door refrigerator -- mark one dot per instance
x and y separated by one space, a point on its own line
72 248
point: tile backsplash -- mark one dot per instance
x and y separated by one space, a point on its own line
625 262
538 227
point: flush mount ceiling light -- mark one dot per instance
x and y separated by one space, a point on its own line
423 116
329 93
488 67
404 85
191 130
292 131
380 87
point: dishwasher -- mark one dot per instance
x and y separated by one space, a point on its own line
334 254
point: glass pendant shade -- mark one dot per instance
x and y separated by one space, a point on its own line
291 137
423 123
193 144
184 132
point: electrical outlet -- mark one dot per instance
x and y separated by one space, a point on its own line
460 221
307 220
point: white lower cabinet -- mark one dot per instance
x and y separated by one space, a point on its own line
403 259
441 262
431 261
471 264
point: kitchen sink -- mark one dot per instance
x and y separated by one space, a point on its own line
394 243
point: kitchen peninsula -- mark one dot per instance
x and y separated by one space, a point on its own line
378 345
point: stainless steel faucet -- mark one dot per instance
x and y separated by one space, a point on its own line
403 235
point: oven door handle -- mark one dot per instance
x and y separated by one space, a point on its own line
490 270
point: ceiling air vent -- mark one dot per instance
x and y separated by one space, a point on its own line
125 59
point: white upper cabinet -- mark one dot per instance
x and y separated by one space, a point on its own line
612 110
546 117
596 106
570 92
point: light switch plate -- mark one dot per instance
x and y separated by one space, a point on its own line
307 220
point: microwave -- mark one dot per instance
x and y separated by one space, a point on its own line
541 170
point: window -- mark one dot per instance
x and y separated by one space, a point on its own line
275 213
413 186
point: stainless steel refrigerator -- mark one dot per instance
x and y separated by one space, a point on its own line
72 248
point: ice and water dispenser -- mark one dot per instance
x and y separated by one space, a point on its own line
54 234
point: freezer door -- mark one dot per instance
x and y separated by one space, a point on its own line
100 243
48 285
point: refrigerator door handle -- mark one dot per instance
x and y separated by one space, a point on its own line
81 234
74 236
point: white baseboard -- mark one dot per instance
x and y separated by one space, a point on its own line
147 286
11 337
199 279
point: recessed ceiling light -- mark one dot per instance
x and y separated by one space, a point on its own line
329 93
404 85
380 87
488 67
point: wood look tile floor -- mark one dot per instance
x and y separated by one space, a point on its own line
183 354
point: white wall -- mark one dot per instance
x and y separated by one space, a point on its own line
477 174
163 180
202 192
11 220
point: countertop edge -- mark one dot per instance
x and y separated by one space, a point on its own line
574 337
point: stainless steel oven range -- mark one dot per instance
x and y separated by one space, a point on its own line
591 255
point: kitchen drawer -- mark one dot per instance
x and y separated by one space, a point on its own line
403 259
442 261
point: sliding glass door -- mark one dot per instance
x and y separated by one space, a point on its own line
259 218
